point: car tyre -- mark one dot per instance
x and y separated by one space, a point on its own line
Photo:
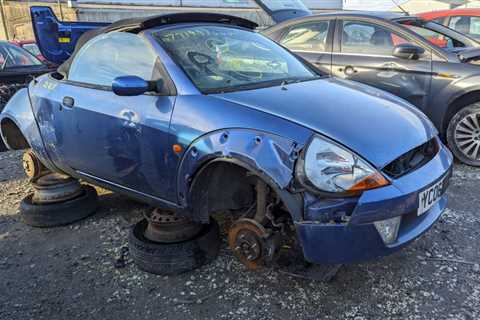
174 258
61 213
465 122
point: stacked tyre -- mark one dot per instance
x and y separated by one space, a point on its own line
174 258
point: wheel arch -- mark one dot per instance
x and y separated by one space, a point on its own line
216 162
12 135
458 103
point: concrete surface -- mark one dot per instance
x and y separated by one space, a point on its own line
78 272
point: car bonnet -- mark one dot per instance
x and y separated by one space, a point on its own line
376 125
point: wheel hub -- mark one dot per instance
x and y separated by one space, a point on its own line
467 136
251 243
166 227
55 187
32 166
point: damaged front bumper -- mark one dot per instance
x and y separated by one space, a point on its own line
343 230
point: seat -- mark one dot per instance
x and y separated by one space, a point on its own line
382 38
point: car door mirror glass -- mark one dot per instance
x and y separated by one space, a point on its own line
130 86
408 51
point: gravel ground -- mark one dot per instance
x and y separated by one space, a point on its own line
84 271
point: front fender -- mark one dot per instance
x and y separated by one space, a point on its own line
19 112
267 155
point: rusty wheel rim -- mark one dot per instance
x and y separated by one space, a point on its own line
167 227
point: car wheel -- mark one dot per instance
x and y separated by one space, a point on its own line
174 258
60 213
463 135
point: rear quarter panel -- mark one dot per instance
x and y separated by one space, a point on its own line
19 111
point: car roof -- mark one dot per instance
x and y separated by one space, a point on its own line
447 13
136 25
387 15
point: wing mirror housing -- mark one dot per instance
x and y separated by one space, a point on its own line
130 86
408 51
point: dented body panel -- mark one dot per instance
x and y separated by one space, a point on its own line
19 111
156 148
398 199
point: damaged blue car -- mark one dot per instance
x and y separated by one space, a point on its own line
199 115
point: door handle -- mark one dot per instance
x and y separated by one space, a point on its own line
68 102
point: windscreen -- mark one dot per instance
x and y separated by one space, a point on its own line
14 57
219 59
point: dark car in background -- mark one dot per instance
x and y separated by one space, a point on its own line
31 47
466 21
433 67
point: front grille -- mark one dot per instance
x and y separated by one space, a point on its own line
412 160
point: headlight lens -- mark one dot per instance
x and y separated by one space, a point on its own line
332 168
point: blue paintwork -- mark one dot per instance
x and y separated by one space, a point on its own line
125 143
359 237
19 110
348 112
129 86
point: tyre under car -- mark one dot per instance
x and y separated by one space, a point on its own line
60 213
174 258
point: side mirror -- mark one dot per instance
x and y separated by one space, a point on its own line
130 86
408 51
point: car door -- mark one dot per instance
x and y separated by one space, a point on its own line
122 140
363 52
312 41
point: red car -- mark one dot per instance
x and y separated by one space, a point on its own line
466 21
31 47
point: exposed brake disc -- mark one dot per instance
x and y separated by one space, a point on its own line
252 244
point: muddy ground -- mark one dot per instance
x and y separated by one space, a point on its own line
78 272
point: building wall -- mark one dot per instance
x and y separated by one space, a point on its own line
18 22
417 6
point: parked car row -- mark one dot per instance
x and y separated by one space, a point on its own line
198 113
465 21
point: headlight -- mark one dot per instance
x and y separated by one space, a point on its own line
332 168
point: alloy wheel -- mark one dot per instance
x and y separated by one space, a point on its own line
467 135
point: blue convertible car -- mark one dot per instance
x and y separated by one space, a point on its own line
200 114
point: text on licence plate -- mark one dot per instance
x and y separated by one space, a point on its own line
430 196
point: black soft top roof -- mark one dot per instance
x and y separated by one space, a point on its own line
137 25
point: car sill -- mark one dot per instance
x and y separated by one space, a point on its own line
154 200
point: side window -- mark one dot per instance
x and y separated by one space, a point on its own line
367 38
111 55
308 36
466 25
460 24
434 37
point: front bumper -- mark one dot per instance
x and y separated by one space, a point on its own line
358 240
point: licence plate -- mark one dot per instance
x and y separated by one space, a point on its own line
430 196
